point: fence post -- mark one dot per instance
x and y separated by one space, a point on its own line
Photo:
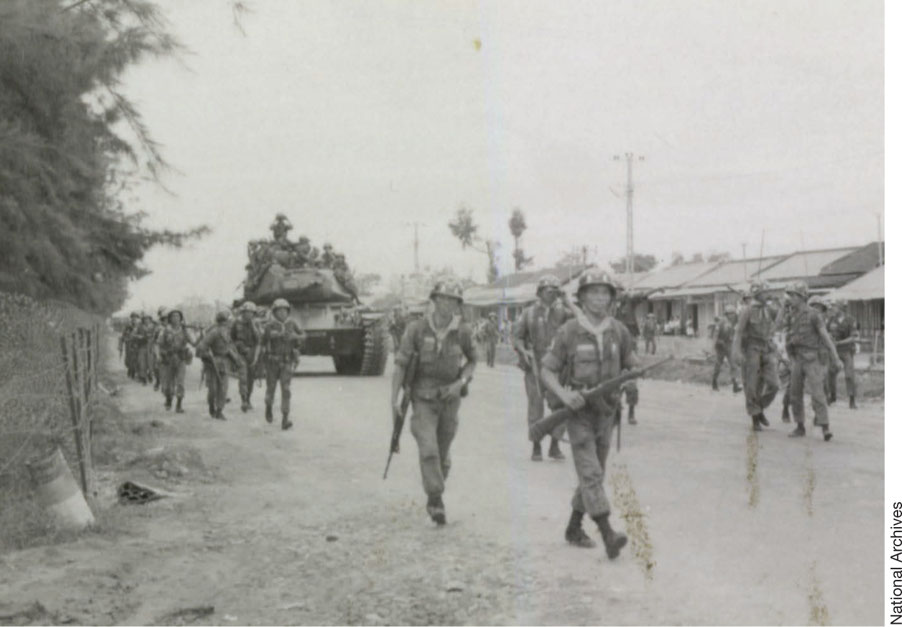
71 386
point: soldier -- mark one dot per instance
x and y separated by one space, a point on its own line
158 331
649 329
753 350
245 335
126 344
174 354
490 341
327 259
532 335
585 352
396 328
142 338
280 227
805 337
822 307
723 342
445 364
282 339
215 348
843 330
631 391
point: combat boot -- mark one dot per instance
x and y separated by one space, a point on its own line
244 404
799 432
786 413
828 435
178 405
219 415
632 415
168 404
436 509
212 408
613 540
736 387
286 423
756 426
714 384
852 404
762 420
536 452
268 412
554 451
575 534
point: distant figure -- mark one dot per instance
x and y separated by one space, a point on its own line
649 329
723 342
490 339
281 343
843 330
753 350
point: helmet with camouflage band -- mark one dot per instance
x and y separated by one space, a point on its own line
281 303
550 281
799 288
172 311
597 277
452 289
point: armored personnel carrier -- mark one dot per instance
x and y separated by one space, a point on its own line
325 305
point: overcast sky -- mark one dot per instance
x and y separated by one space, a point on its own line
357 118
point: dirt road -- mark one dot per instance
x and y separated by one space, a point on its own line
299 527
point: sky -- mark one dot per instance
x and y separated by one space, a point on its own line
758 121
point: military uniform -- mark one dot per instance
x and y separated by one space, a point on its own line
175 353
756 326
281 342
804 344
245 335
534 330
216 349
842 326
723 341
127 345
649 329
490 340
142 341
442 355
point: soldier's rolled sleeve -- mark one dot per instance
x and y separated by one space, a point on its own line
407 348
556 355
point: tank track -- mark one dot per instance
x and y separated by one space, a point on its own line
375 349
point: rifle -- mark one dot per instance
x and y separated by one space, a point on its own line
399 415
595 396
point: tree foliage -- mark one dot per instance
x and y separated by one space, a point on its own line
464 228
72 145
641 263
517 225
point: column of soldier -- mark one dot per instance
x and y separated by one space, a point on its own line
252 343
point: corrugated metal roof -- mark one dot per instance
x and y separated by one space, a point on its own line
858 261
731 272
870 286
673 276
803 264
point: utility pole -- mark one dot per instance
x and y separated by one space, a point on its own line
628 157
416 245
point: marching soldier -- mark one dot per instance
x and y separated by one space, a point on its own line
631 391
126 344
820 305
245 335
174 355
215 348
723 342
805 337
585 352
649 329
445 363
142 337
532 334
282 339
843 330
158 331
490 340
396 328
753 350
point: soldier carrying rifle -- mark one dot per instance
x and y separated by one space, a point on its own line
444 366
585 352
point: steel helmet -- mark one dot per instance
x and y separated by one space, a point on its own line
800 288
280 303
174 311
817 301
249 306
447 288
146 316
223 315
549 280
597 277
757 287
